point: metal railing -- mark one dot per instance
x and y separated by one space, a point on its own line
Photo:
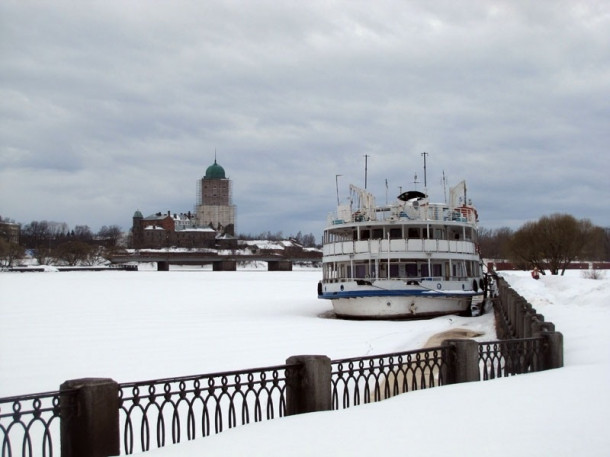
173 410
155 413
360 380
510 357
29 424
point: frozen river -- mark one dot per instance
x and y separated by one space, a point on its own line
132 326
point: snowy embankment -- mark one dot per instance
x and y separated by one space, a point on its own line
133 326
561 412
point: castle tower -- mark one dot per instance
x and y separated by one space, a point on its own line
214 206
137 230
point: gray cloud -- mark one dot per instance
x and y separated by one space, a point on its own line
109 107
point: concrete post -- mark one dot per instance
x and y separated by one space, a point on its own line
463 361
527 322
92 430
308 385
553 350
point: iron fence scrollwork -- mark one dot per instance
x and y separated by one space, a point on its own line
154 412
369 379
510 357
30 424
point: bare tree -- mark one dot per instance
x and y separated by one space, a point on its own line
112 234
82 233
9 252
74 252
552 242
494 244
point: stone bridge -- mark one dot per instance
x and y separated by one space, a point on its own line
220 262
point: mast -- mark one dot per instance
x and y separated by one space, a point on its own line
424 154
337 185
366 161
386 191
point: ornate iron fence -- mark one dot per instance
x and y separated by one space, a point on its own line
510 357
154 412
158 412
29 424
361 380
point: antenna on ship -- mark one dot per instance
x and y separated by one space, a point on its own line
337 184
424 154
445 186
366 161
415 182
386 191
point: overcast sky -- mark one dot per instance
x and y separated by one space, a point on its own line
112 106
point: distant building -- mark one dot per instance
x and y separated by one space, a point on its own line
214 207
10 232
170 230
211 226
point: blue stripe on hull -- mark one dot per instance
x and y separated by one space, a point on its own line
393 293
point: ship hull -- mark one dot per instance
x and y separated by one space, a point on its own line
372 302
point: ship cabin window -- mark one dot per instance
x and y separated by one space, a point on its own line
337 236
395 233
360 272
365 234
377 233
455 234
424 233
413 232
459 270
439 234
437 269
424 270
411 270
394 270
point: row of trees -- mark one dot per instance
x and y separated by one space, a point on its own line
54 242
551 243
68 253
49 234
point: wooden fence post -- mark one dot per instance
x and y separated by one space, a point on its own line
92 430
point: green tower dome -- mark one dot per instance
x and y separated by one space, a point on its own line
138 215
215 171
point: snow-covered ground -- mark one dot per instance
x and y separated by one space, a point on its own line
133 326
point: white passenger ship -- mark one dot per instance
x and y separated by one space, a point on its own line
408 259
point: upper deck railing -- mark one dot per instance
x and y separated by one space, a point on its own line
389 246
421 213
